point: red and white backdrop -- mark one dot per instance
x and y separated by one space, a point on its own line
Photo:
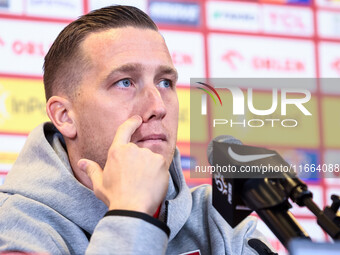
265 38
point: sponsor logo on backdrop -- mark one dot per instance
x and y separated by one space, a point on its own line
187 52
231 57
140 4
53 3
298 1
14 105
233 16
287 1
180 13
55 8
31 48
247 56
24 46
22 105
336 65
276 64
182 58
288 20
4 3
260 18
235 60
328 3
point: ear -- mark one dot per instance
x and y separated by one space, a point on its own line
59 110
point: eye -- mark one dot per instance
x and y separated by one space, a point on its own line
165 84
125 83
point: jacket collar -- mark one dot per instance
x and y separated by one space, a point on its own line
45 175
178 198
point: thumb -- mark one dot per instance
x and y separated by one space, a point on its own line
93 171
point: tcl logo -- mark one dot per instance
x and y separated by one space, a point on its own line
336 65
235 59
180 58
287 20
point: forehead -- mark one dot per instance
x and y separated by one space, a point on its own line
127 44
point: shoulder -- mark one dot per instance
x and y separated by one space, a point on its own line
202 196
202 191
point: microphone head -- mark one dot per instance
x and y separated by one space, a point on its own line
222 139
227 192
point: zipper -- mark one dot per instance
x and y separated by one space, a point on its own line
166 212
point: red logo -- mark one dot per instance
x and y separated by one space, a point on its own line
234 58
231 57
272 64
29 48
336 65
180 58
287 20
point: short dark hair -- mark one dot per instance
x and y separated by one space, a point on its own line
65 62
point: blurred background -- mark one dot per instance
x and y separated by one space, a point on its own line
248 39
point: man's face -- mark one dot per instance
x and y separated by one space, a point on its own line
131 73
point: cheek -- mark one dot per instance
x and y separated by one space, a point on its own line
97 117
172 112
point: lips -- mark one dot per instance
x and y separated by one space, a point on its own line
152 137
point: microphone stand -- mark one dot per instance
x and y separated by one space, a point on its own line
298 191
268 199
269 196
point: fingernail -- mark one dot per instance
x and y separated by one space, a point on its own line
82 165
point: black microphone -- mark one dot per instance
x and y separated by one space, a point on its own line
226 191
250 179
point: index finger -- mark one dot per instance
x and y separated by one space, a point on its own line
125 130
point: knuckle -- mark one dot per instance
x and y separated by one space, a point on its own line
90 171
112 151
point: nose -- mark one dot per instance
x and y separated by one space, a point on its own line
152 104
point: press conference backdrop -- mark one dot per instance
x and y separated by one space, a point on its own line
265 38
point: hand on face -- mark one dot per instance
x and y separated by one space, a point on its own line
133 178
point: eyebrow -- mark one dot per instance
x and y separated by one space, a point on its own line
167 70
137 68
